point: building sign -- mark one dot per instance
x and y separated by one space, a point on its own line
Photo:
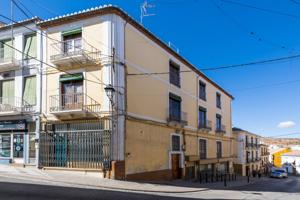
13 125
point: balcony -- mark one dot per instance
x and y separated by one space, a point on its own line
221 129
177 118
71 105
8 62
74 52
205 126
14 106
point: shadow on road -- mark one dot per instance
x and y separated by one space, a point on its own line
291 185
21 191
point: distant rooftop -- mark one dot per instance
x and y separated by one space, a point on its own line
292 153
24 22
236 129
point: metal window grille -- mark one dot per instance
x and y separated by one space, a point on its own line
76 145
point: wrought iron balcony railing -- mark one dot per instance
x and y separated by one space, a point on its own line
221 129
14 105
7 60
205 125
177 117
74 51
73 102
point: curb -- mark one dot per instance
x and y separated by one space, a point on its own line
107 187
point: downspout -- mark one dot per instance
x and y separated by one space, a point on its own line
125 98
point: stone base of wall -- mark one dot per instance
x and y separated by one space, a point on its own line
160 175
117 170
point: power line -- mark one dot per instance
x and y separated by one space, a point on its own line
154 73
269 85
20 8
21 4
242 28
252 63
287 134
262 9
295 2
31 57
42 34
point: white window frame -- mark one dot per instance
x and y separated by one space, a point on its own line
176 152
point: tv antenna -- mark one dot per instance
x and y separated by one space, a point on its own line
144 13
172 46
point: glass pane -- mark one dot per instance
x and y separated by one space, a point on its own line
30 47
7 49
175 143
5 145
18 145
29 93
8 92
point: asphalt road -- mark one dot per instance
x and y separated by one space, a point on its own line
267 189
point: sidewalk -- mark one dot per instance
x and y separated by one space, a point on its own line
93 180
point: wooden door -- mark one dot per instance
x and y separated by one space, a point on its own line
176 171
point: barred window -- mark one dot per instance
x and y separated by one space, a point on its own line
175 143
202 149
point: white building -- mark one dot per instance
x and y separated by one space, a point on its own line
20 86
292 158
248 153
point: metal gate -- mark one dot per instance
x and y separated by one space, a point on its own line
76 145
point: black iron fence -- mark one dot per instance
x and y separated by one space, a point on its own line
205 177
76 145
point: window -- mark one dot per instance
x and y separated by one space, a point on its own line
202 90
252 156
5 50
218 122
174 107
202 149
72 40
256 156
29 90
7 92
174 73
5 143
246 140
71 91
175 143
219 149
30 48
247 156
218 100
202 118
251 141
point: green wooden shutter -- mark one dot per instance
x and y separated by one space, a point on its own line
8 92
7 49
29 92
30 49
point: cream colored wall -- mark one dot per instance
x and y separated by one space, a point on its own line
94 34
147 147
148 96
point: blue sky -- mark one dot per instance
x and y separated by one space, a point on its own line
219 33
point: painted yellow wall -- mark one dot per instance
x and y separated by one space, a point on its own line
148 96
147 147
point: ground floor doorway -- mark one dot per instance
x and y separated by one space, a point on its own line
176 170
17 142
76 144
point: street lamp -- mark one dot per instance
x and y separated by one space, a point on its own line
110 92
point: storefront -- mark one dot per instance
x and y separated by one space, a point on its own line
17 144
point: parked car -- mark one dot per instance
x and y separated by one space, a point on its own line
279 173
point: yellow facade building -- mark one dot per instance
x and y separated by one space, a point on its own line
119 100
